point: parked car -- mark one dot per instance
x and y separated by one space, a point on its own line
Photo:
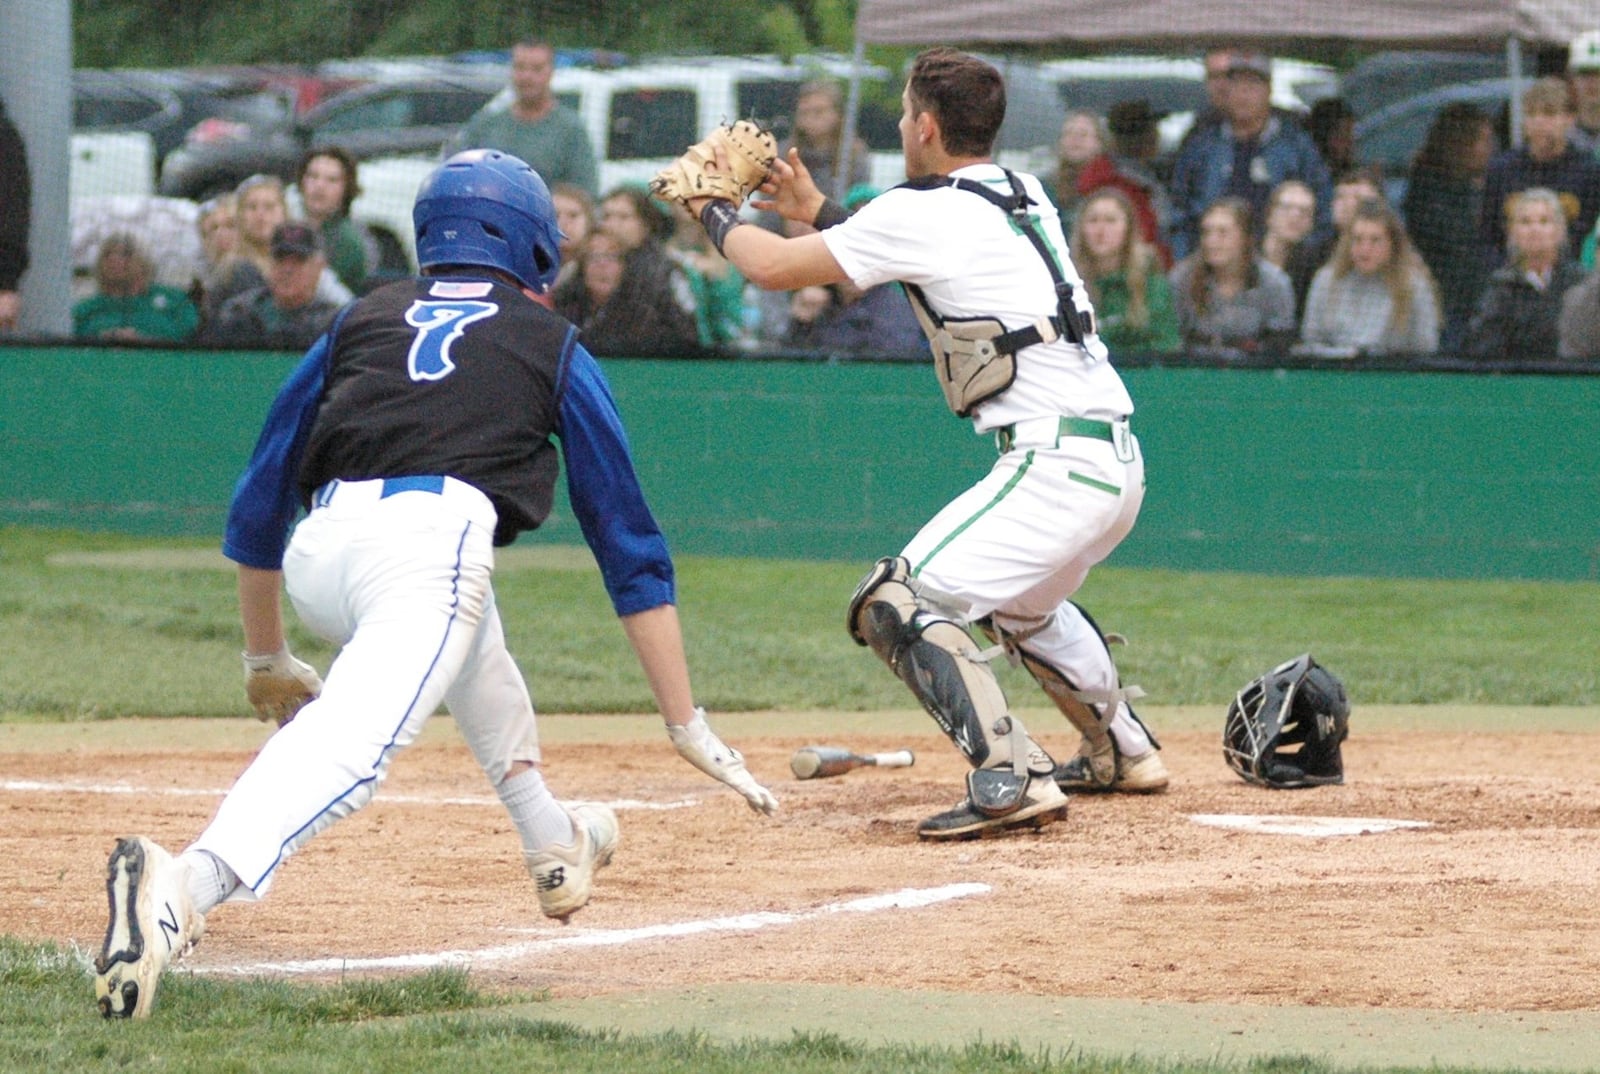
1390 137
641 116
167 104
380 119
1175 87
1386 78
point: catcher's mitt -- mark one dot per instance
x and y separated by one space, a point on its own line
750 150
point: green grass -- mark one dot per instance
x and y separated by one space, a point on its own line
441 1021
91 638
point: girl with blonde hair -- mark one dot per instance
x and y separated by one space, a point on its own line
1132 299
1375 295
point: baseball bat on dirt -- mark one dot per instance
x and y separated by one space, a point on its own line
820 762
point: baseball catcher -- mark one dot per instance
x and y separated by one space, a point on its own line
1300 704
749 150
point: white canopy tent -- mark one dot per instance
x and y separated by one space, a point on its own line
1297 27
1286 25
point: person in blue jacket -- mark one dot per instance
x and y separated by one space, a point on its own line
420 433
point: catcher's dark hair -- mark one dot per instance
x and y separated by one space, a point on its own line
347 163
965 94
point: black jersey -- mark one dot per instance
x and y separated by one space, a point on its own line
458 377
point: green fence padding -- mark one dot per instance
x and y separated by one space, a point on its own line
1322 472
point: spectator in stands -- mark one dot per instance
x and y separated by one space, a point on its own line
328 187
1518 313
1583 71
1127 165
808 311
128 305
1216 62
16 205
1332 126
718 288
818 134
1286 237
1132 299
1545 159
628 302
575 216
1578 331
1375 296
1442 207
1227 297
651 280
536 127
1082 139
1246 156
875 323
286 313
262 209
217 222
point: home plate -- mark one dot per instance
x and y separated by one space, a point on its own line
1315 827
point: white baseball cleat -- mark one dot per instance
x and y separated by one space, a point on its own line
152 923
1144 774
563 874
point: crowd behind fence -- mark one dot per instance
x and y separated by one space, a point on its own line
1230 207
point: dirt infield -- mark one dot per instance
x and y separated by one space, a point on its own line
1482 911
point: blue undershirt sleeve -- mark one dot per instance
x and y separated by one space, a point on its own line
605 494
266 497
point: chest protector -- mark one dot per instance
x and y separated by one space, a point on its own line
975 358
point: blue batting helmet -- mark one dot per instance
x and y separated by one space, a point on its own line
484 207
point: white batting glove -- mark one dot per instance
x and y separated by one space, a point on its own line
700 746
278 684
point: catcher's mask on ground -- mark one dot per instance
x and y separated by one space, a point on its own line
1298 703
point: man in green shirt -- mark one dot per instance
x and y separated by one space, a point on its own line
536 127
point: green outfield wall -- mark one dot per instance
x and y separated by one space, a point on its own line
1425 474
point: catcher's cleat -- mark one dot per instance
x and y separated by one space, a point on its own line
564 874
152 923
1040 803
1144 774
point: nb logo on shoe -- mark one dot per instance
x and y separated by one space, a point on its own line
553 879
169 926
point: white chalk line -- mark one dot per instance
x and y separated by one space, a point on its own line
28 786
1313 827
905 899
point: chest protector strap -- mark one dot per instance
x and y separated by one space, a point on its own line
975 358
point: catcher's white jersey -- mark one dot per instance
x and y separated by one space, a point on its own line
971 261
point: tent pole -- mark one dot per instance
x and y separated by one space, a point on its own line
852 108
1514 65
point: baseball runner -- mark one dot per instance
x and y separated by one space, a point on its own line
418 433
982 256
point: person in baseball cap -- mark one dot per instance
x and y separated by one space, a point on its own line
1583 70
1256 64
295 239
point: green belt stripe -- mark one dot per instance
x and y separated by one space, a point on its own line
1069 426
1026 462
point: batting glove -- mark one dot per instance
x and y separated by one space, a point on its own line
700 746
278 684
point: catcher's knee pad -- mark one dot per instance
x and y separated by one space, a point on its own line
936 658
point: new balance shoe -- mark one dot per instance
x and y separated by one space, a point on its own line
1144 774
1041 803
563 875
152 924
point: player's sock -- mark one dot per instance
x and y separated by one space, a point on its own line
540 820
210 879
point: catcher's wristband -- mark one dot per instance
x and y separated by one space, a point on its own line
719 217
830 214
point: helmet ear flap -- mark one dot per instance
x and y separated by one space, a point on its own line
1299 703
